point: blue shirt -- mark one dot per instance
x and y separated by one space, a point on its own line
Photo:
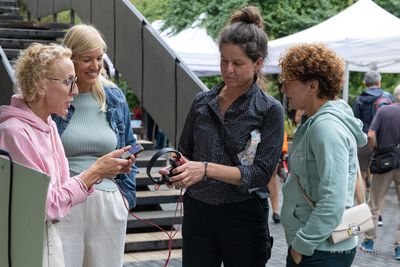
205 130
119 117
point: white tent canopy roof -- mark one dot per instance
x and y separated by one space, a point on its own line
195 47
366 36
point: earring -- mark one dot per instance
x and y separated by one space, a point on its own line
310 93
43 94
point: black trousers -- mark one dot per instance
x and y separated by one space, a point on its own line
324 258
234 233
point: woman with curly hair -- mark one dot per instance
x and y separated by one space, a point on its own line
46 84
323 157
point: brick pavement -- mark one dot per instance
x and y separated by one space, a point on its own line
383 256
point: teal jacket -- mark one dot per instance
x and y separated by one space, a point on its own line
324 156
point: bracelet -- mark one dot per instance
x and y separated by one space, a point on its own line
83 184
205 163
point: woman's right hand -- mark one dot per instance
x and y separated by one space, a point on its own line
109 165
297 257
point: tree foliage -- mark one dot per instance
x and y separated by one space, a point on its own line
282 18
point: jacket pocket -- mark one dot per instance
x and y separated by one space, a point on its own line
288 216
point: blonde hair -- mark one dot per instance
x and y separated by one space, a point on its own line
86 38
33 66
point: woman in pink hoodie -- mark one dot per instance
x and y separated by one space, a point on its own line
45 85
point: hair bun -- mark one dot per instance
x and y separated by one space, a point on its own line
248 14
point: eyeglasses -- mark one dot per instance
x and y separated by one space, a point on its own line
73 82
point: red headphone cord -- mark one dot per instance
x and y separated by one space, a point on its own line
170 236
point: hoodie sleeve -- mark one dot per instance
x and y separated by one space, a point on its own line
25 149
330 143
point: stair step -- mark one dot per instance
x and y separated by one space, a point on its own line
152 255
151 241
11 53
8 3
142 179
9 10
157 217
147 145
16 24
157 197
11 17
146 155
28 33
20 43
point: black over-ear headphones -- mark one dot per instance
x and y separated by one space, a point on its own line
175 161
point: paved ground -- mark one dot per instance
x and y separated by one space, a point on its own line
384 250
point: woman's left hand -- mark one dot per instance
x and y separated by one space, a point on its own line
297 257
190 173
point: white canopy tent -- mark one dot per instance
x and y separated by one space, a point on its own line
367 36
195 47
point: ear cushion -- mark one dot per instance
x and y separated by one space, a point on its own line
173 163
154 159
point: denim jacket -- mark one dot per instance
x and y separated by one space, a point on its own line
118 115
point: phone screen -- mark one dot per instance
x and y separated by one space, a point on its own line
132 151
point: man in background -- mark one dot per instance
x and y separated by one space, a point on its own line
384 130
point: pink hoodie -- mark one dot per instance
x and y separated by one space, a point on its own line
41 151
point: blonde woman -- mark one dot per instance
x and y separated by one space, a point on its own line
98 122
46 84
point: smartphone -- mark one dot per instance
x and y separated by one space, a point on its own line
132 151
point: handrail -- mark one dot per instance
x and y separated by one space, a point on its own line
162 81
7 65
7 79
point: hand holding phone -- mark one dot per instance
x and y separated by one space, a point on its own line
132 151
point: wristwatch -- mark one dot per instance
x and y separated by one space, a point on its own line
205 163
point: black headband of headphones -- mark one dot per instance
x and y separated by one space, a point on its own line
154 159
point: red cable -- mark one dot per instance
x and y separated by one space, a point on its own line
170 236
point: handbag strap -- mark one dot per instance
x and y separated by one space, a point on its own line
311 203
234 159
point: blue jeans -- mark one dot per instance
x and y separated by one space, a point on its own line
234 233
324 258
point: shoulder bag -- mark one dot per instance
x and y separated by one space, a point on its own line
384 159
356 220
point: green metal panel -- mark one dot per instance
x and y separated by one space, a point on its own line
32 6
61 5
128 45
45 8
159 87
84 9
188 85
103 20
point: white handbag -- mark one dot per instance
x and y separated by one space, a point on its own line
356 220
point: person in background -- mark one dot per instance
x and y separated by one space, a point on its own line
225 203
384 130
323 156
98 121
273 184
45 84
362 108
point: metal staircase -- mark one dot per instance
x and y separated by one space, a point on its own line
162 82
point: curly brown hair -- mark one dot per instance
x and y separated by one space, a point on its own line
314 61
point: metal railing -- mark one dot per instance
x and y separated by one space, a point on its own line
158 77
7 79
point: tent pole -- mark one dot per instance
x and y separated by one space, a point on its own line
346 83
